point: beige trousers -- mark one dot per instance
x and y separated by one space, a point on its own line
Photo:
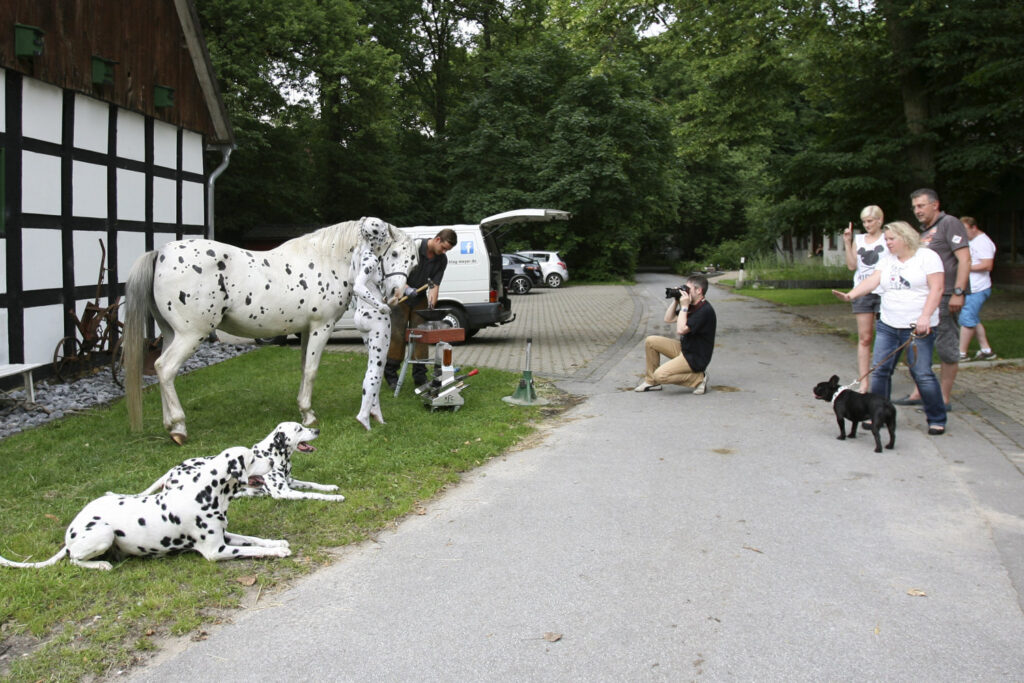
673 371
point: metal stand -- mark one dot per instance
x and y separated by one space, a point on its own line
525 394
420 335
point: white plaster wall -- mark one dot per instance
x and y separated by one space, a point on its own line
165 208
131 135
40 186
87 256
165 145
91 117
130 246
44 327
41 259
42 107
192 207
192 152
162 238
131 195
89 190
5 351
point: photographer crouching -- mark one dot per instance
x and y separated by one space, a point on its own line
690 354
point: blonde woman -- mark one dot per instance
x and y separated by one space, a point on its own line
911 280
863 254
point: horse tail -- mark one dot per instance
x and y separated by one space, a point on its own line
4 562
138 299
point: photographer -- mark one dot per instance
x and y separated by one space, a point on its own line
690 354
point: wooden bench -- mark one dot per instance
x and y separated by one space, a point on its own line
25 370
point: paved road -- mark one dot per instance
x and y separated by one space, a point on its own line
671 537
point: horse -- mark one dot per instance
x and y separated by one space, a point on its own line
195 286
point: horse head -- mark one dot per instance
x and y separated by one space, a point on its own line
398 258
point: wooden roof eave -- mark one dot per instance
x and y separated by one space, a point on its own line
204 72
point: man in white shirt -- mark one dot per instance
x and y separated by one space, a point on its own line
983 255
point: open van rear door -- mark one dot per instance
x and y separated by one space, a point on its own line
489 224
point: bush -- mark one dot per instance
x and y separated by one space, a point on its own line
726 255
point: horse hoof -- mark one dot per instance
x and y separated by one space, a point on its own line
179 439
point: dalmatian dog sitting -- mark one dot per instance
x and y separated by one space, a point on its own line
191 514
277 482
373 320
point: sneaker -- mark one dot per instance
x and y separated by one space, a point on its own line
703 386
985 355
964 357
644 386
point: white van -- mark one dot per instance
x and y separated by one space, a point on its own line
472 286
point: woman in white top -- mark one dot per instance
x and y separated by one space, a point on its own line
911 280
863 254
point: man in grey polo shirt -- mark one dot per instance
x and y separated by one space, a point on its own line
946 236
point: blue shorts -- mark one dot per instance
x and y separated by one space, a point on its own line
972 307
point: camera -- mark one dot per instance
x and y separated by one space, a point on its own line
673 292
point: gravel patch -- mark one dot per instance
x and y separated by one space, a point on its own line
54 400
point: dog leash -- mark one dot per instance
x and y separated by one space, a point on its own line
913 336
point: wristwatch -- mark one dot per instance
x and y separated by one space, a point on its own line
683 310
958 291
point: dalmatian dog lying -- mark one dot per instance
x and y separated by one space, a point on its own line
277 448
373 320
277 482
191 514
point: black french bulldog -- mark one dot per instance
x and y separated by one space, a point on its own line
858 407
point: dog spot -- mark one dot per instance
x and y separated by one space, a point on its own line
142 521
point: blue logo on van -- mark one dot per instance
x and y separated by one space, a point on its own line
467 247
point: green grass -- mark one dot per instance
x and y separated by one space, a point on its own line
91 622
1005 336
794 297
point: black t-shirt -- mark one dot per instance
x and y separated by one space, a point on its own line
432 269
699 343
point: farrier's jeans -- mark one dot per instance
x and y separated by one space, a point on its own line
919 358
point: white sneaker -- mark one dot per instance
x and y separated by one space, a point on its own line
703 386
644 386
985 355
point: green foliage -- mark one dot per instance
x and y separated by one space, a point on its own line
775 267
93 620
666 129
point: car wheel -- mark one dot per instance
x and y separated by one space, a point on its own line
554 280
455 318
520 285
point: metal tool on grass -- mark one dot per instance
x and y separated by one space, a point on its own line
525 394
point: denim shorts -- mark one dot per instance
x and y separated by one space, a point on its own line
972 307
869 303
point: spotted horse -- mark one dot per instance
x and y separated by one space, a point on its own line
193 287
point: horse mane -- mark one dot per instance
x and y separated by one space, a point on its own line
334 243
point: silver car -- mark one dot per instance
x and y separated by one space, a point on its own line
552 266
